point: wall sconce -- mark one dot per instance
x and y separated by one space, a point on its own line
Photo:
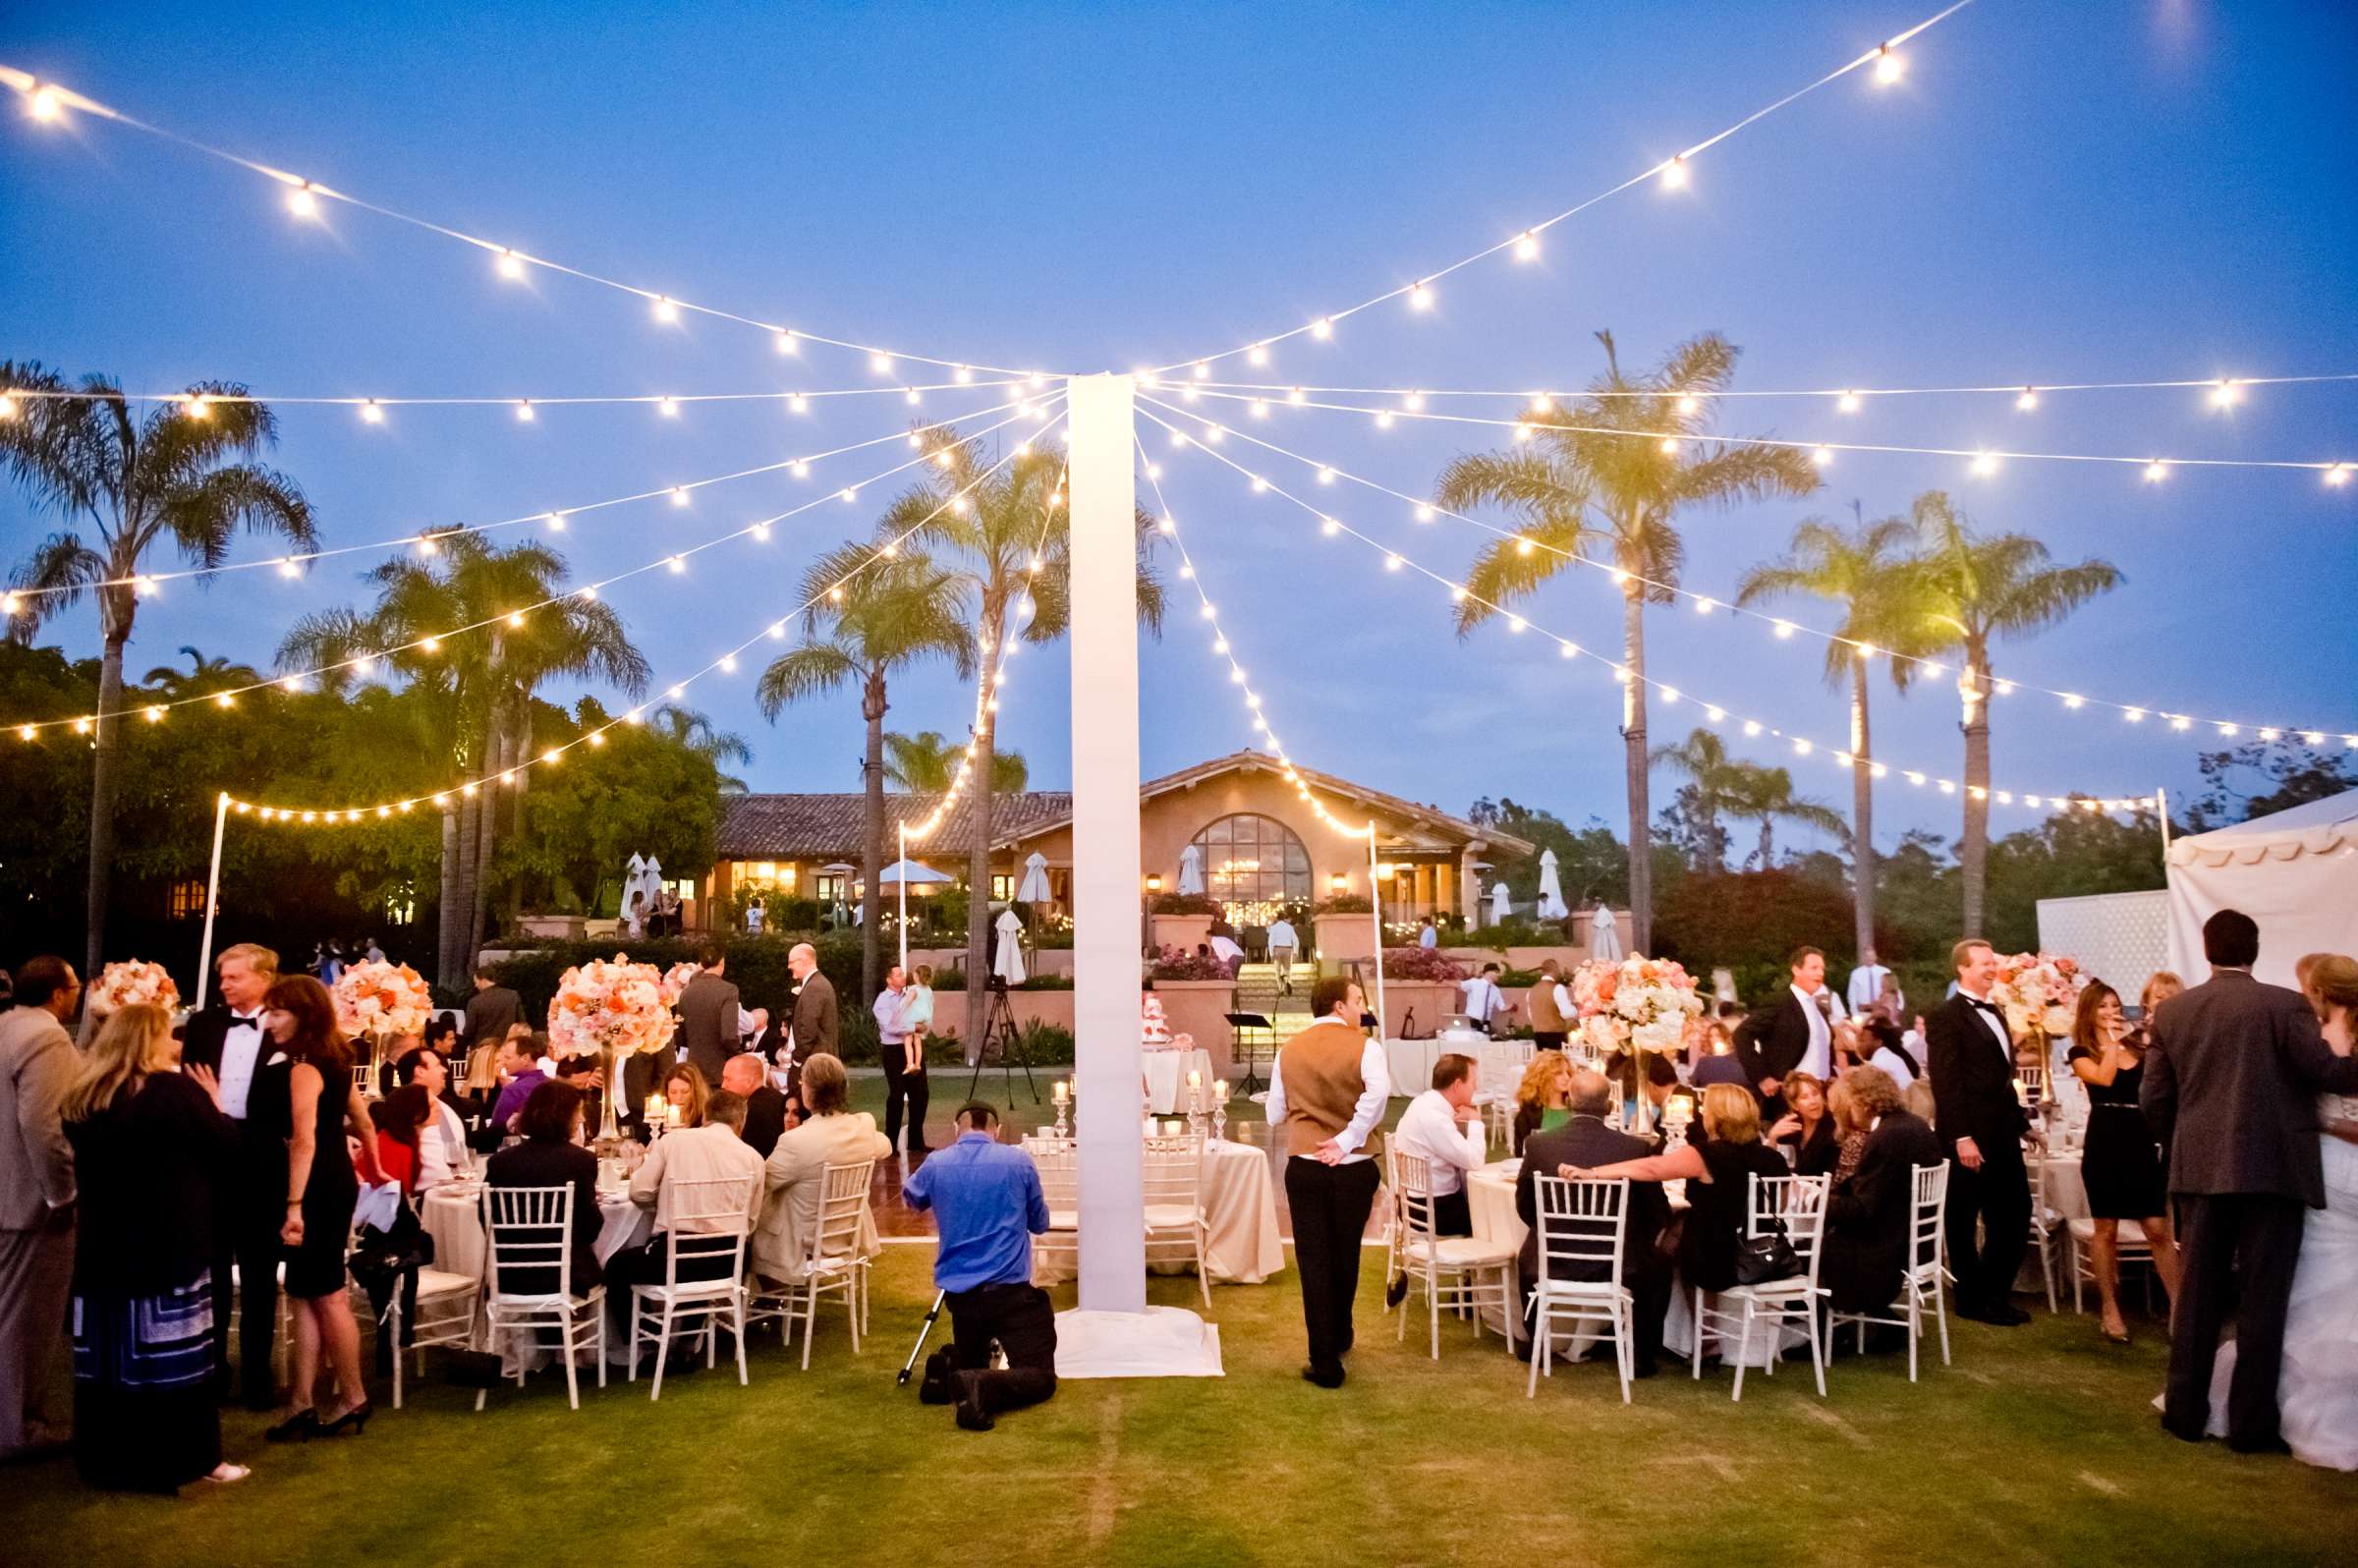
1154 884
1335 883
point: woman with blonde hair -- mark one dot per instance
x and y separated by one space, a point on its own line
684 1086
2120 1164
2159 987
1544 1099
151 1148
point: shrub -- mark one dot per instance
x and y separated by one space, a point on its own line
1419 963
1171 964
1184 904
1346 903
756 966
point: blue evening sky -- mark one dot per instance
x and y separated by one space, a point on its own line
2123 190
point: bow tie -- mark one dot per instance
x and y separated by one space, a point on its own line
1988 1007
255 1022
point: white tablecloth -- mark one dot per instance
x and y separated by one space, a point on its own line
454 1218
1166 1079
2060 1188
1240 1211
1410 1061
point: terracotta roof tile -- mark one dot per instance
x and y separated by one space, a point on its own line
827 827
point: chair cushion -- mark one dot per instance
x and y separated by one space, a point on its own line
439 1282
1462 1252
1168 1216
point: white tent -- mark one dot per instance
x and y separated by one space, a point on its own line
1035 888
1551 889
1191 870
2295 872
1008 962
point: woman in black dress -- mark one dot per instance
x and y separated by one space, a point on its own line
151 1146
1805 1133
300 1018
2120 1164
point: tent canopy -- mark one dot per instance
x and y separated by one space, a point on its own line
2295 872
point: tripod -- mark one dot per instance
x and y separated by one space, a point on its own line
1000 1036
919 1349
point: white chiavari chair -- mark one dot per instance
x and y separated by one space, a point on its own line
834 1267
531 1233
1455 1272
1177 1230
1922 1284
1057 1253
1798 1205
704 1273
1583 1228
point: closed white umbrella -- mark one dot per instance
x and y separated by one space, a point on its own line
1035 888
1551 889
1503 907
1009 963
1604 940
631 871
1191 870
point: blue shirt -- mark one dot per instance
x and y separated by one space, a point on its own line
987 1205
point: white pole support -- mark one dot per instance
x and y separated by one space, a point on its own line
212 896
1107 1073
1376 905
904 827
2162 810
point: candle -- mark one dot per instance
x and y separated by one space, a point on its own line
1061 1091
655 1107
1173 1129
1219 1090
671 1114
1194 1079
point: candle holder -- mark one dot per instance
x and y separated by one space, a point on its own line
1195 1109
1063 1131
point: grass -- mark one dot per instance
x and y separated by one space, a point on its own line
2036 1447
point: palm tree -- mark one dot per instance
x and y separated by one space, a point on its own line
1009 531
172 477
1965 589
1857 569
1720 783
204 674
923 764
869 620
685 726
1766 796
481 684
1606 477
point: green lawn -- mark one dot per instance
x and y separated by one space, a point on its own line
2037 1447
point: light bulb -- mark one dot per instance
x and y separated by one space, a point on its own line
2028 399
879 362
8 406
1325 476
1420 298
1890 66
785 343
1784 628
668 406
516 618
679 495
1541 403
1261 408
1322 328
677 564
728 663
849 493
2225 394
1984 463
1383 420
1674 174
1688 403
2338 474
371 412
664 310
556 522
1423 513
286 568
1847 403
429 644
1527 246
524 410
510 265
1823 456
799 403
44 103
301 203
1670 444
2156 472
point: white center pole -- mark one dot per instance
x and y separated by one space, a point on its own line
2162 810
1107 1071
212 894
904 826
1375 905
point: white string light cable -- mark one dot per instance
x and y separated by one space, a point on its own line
725 663
1888 66
1424 511
49 103
1716 714
2221 391
1223 651
425 540
527 410
364 663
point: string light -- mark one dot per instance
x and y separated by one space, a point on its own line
2026 397
1674 173
1890 64
510 265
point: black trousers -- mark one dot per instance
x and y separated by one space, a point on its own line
904 1088
1547 1042
2236 1251
1330 1205
1452 1215
1021 1320
246 1235
1999 1194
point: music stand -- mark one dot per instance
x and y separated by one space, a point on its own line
1239 1024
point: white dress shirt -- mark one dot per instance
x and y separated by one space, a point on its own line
1281 934
1866 984
1429 1130
1429 937
1820 1057
1374 1073
1890 1061
1997 1026
1484 999
441 1149
240 1052
890 1026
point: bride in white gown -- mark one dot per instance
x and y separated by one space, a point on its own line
2318 1394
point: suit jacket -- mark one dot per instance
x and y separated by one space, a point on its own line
489 1014
794 1174
711 1152
549 1162
1771 1043
1972 1079
1866 1217
764 1119
36 1164
817 1026
1586 1141
261 1182
2230 1071
709 1024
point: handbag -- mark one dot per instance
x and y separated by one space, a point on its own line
1767 1257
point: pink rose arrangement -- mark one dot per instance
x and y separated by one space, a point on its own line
610 1005
1641 1002
2038 990
130 981
380 999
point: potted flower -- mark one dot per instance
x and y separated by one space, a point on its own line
1343 930
1420 991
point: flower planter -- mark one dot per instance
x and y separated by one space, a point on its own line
560 928
1344 938
1201 1008
1182 931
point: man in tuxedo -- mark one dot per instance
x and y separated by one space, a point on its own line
1795 1031
2231 1071
1583 1143
1978 1112
491 1011
708 1009
228 1037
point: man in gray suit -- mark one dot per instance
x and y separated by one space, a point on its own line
491 1010
2230 1079
817 1024
37 1208
708 1022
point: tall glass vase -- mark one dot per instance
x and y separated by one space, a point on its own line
609 1127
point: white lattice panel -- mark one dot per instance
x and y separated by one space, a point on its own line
2120 938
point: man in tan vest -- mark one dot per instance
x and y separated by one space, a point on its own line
1327 1090
1549 1009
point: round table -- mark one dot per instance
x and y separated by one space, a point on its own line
1410 1061
1240 1214
453 1215
1166 1078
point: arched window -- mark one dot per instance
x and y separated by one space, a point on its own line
1252 865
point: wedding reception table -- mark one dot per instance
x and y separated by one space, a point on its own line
1240 1212
1166 1079
453 1215
1410 1061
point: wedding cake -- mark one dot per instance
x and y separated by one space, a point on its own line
1153 1029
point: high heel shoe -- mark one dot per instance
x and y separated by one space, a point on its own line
300 1427
2121 1338
357 1418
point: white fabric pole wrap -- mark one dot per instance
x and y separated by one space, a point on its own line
1376 904
1107 1071
904 888
212 896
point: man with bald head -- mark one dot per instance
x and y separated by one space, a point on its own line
817 1026
1586 1141
765 1105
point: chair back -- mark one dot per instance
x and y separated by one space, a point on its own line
1174 1170
1411 1176
531 1229
1499 1067
707 1227
1583 1228
2034 1082
1927 1216
1798 1203
842 1205
1059 1164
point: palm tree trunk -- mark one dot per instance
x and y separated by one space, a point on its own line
1862 812
107 735
1973 849
1633 735
1768 842
486 832
519 748
448 967
873 707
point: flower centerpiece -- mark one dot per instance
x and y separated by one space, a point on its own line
1633 1004
2038 992
675 979
379 1002
129 981
612 1008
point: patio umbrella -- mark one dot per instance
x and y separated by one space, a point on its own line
1035 888
1009 963
1551 890
631 871
1604 940
1191 870
1502 908
917 873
